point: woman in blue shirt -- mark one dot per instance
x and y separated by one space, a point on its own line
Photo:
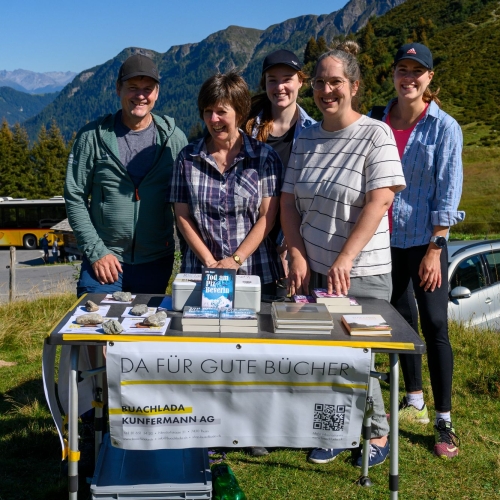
430 145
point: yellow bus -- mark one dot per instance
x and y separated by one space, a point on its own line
23 222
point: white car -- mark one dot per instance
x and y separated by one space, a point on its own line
474 282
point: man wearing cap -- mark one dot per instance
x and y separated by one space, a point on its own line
118 174
119 171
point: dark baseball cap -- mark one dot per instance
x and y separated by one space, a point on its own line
416 52
281 56
138 65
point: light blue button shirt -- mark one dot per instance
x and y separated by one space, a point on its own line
432 165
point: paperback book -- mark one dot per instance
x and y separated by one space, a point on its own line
302 331
366 324
237 318
218 288
304 299
286 313
238 329
201 328
353 308
323 297
200 316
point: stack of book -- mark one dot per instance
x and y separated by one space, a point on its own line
204 319
302 319
238 320
200 319
366 324
336 303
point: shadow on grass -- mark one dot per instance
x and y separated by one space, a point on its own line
425 439
30 451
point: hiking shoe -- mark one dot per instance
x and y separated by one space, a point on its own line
323 455
447 442
378 454
410 413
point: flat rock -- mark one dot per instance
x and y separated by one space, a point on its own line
157 319
112 327
139 309
89 319
91 306
122 296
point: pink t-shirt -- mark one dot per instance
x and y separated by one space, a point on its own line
401 137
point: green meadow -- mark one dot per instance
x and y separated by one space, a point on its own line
30 456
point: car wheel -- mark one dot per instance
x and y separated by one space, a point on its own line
29 242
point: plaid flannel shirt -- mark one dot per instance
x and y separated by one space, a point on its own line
225 206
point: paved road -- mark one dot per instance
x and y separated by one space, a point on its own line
33 277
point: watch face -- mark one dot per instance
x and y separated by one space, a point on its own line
440 241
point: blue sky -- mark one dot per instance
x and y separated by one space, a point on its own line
56 35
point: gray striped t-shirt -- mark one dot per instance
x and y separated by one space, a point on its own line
329 174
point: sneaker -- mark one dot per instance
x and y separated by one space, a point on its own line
410 413
378 455
447 442
323 455
258 451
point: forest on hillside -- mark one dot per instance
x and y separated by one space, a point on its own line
32 170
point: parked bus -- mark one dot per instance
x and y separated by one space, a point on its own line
23 222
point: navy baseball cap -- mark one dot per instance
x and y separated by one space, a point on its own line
138 65
281 56
416 52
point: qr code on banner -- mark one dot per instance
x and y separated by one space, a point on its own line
329 417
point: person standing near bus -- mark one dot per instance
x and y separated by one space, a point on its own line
44 243
55 250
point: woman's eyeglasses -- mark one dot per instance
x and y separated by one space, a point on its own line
320 83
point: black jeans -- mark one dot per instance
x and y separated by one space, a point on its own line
433 311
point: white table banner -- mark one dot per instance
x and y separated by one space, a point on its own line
204 395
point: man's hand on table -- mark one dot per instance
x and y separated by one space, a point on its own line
106 269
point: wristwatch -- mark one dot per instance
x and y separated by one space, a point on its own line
237 260
439 241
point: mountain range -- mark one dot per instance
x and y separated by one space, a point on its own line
35 83
16 106
183 68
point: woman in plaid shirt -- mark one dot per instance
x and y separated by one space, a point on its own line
226 188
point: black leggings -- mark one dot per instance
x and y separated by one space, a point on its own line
432 307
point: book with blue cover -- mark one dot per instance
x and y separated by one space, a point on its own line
200 316
238 317
218 288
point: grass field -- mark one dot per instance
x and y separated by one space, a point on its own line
481 188
30 467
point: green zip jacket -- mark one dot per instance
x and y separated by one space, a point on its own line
106 211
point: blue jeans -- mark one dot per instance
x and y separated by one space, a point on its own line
151 277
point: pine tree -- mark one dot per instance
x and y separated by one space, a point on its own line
19 181
322 46
368 36
49 157
311 52
5 157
